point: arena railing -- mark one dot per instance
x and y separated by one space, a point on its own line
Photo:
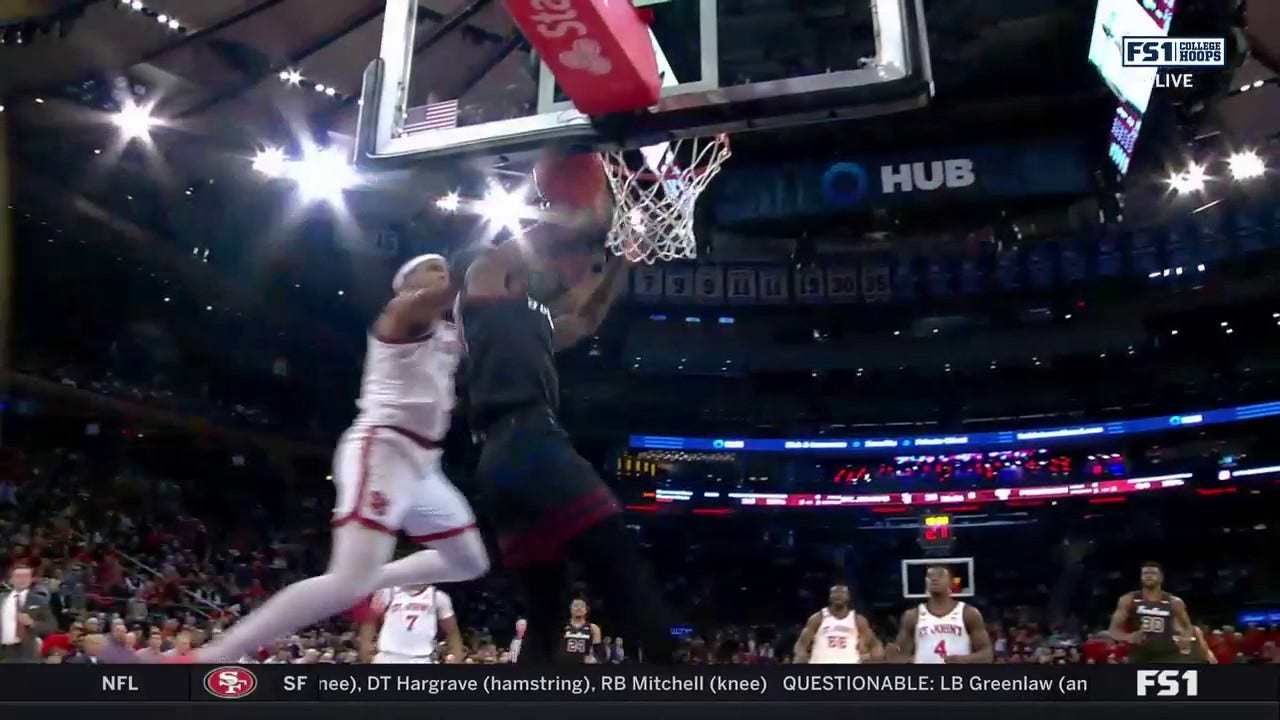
1085 432
196 602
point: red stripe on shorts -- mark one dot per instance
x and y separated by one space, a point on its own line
545 540
442 535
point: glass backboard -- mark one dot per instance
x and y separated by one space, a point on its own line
721 66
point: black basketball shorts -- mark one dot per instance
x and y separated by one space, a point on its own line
537 492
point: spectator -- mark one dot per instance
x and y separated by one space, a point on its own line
25 618
182 645
154 649
91 651
118 649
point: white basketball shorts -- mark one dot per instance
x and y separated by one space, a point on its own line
390 480
390 658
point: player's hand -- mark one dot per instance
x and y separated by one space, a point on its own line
1184 644
25 620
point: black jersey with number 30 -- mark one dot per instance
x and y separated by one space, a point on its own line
1154 620
510 362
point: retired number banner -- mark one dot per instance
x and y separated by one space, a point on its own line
509 683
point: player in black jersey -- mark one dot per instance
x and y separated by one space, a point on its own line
547 504
1161 628
581 640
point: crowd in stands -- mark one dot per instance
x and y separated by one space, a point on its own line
134 566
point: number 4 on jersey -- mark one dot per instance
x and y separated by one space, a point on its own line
940 649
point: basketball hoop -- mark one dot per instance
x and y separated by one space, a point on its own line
654 198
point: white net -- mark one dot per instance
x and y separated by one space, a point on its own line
654 204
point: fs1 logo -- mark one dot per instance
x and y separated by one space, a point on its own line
1162 52
1168 683
230 682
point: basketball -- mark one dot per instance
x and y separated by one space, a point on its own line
570 181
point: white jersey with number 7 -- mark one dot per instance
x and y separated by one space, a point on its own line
410 620
938 637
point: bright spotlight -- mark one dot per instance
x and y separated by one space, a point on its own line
1188 181
291 76
134 121
449 203
271 162
1246 165
505 209
324 176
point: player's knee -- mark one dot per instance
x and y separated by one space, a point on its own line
468 554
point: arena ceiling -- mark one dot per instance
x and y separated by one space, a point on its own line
1001 67
225 67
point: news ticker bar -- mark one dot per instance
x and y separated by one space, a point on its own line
916 444
407 683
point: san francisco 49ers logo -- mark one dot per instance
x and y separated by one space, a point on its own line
378 503
230 682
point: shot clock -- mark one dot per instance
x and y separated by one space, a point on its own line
936 533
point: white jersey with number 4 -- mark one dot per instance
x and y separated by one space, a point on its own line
410 622
836 642
938 637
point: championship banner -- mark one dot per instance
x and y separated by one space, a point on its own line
1072 261
905 280
709 285
973 280
678 283
646 283
809 283
1207 227
1039 265
1179 248
842 284
877 281
331 683
939 274
1110 262
772 284
740 286
1144 258
1009 269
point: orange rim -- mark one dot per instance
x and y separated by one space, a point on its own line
647 175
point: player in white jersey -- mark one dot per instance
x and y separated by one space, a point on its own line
941 629
405 623
387 472
836 635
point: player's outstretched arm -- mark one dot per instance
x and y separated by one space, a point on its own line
804 643
903 647
1120 617
586 318
869 645
979 640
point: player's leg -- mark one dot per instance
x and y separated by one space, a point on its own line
440 519
612 564
546 589
589 530
372 498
